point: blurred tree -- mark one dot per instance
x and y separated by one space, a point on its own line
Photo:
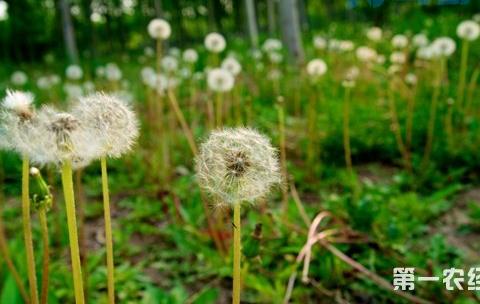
158 8
252 23
290 27
68 31
272 23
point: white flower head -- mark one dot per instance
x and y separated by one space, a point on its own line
443 47
220 80
18 102
380 59
399 41
468 30
346 45
366 54
190 56
110 121
215 42
175 52
74 72
316 68
149 77
232 65
411 79
374 33
237 165
420 40
19 78
275 57
73 91
319 43
398 57
352 73
272 45
169 63
113 72
159 29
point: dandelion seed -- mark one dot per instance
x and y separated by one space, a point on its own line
237 165
215 42
19 102
316 68
420 40
113 72
272 45
319 43
443 47
398 58
159 29
366 54
169 64
399 41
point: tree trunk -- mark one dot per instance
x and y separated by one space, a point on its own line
252 23
272 26
303 14
291 29
158 8
68 31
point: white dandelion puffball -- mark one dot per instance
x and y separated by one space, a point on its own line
274 74
232 65
272 45
380 59
468 30
190 56
352 73
113 72
346 45
175 52
43 83
334 44
374 33
237 165
443 47
411 79
398 57
19 78
420 40
100 71
73 91
149 77
220 80
169 64
215 42
400 41
74 72
112 123
159 29
18 102
275 57
425 53
319 43
366 54
316 68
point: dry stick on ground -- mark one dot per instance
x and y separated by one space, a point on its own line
320 238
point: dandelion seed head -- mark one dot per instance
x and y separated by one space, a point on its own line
190 56
74 72
443 47
169 64
111 122
272 45
399 41
220 80
398 57
237 165
420 40
411 79
19 102
275 57
159 29
468 30
215 42
316 68
19 78
113 72
366 54
319 43
232 65
374 33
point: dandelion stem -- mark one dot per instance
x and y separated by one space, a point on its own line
463 74
283 153
27 231
346 131
396 130
68 193
219 110
108 232
236 254
471 90
42 215
181 118
433 111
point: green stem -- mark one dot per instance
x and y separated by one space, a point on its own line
283 154
236 254
471 90
463 74
433 111
346 131
42 215
68 193
27 231
219 110
108 232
